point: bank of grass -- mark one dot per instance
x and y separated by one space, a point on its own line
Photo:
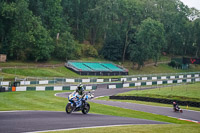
187 92
9 73
175 128
14 63
161 68
62 72
40 72
45 100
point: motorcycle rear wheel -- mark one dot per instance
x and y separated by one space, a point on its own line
86 108
69 108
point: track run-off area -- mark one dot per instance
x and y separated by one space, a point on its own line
42 121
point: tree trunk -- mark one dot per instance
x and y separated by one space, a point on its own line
139 67
197 51
93 36
125 46
126 40
133 65
156 61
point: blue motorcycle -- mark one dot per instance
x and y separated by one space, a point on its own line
78 103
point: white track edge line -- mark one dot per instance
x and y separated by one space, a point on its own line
85 128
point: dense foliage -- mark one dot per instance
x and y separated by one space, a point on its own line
134 30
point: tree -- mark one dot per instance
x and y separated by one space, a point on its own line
50 12
174 16
75 12
112 49
5 25
150 41
197 36
28 28
65 47
27 38
129 17
156 35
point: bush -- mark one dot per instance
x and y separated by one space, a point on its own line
89 50
172 63
178 65
175 64
67 48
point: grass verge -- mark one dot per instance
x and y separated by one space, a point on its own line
189 92
175 128
30 100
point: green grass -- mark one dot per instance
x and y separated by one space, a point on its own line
175 128
30 100
11 73
27 63
189 92
45 100
161 68
106 98
41 72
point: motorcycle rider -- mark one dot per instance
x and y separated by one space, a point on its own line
175 105
77 101
80 91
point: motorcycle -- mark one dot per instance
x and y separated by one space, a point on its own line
177 108
77 103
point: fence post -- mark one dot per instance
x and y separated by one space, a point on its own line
15 70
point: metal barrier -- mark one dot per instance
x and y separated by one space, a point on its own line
133 78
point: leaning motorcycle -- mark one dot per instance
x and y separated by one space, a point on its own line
77 103
177 109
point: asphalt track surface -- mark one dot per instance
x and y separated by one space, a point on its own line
187 114
34 121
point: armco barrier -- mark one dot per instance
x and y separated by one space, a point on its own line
4 83
158 100
138 78
51 88
150 83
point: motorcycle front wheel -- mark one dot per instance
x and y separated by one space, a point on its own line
86 108
69 108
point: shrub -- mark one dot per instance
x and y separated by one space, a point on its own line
89 50
172 64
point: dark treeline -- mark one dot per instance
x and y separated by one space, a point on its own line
118 30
